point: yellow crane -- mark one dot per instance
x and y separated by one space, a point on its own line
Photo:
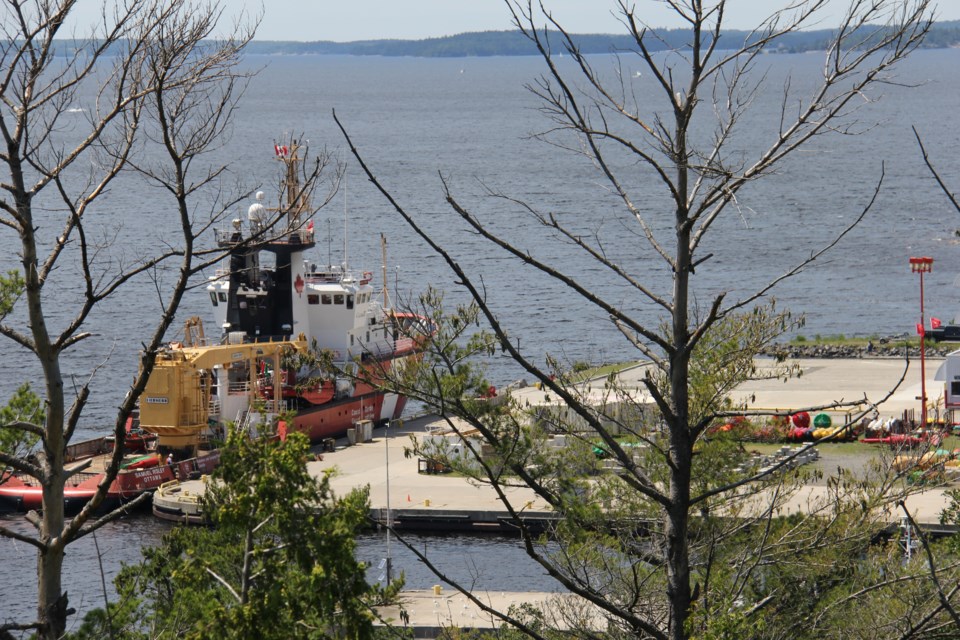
177 401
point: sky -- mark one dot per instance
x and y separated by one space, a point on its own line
348 20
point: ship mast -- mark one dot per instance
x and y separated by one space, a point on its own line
298 201
297 197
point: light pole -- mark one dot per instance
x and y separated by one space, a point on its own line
386 450
922 265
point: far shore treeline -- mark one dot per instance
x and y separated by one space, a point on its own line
512 43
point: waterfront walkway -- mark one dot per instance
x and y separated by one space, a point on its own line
428 612
447 501
823 382
414 496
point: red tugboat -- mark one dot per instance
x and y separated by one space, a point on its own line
142 469
261 302
175 434
270 291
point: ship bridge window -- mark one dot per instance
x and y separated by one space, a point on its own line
313 298
213 297
350 301
326 298
222 296
338 298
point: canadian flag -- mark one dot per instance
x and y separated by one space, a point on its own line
935 323
920 331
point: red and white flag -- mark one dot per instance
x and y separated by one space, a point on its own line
920 331
935 323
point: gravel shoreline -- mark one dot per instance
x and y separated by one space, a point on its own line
882 348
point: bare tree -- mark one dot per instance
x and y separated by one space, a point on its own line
146 96
936 174
702 565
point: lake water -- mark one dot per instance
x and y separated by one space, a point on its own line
467 557
471 121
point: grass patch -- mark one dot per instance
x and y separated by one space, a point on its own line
842 448
580 375
845 341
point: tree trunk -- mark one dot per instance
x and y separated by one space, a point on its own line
51 600
678 560
676 519
681 444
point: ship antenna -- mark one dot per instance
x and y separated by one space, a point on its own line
329 245
345 262
383 251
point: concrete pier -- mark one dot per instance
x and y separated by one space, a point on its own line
428 613
420 500
448 502
416 497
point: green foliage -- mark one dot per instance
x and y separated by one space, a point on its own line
11 288
802 567
581 366
277 563
728 624
753 576
445 370
119 620
951 513
24 406
725 357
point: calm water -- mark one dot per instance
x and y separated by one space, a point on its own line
471 120
465 557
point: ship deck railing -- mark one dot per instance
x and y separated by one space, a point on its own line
238 388
291 237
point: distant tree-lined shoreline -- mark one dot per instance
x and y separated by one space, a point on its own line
511 43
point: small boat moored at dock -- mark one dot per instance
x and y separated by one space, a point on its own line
181 501
138 474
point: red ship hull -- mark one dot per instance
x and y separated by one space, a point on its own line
20 493
332 420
